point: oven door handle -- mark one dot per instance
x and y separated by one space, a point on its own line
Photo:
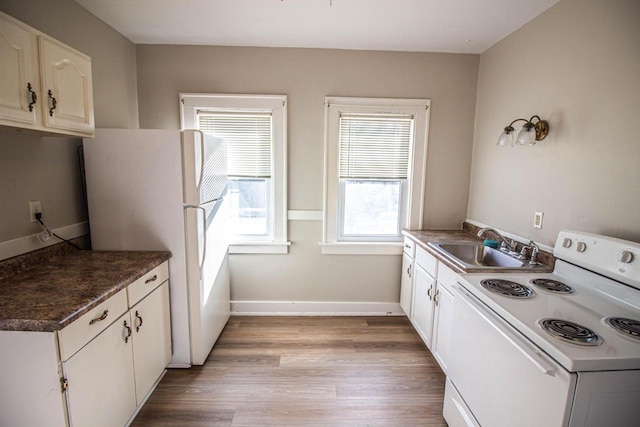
497 323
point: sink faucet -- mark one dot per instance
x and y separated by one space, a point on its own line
534 252
529 252
508 245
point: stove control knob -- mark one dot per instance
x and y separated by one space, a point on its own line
581 247
566 242
626 257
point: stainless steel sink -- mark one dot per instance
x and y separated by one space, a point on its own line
477 256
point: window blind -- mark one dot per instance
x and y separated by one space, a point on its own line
248 137
374 146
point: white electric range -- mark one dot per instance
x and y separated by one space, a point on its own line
556 349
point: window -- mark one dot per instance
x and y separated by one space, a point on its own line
374 172
254 129
248 138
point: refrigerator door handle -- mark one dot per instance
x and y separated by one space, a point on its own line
201 161
204 233
212 201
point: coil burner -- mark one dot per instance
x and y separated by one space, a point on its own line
570 332
507 288
627 327
552 286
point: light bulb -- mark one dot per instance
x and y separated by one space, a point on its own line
527 135
506 138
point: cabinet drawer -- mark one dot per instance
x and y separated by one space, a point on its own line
80 332
147 283
427 261
446 276
455 411
409 247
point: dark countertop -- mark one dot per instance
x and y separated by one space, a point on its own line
467 235
423 237
49 296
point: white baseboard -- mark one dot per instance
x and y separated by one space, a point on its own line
179 365
22 245
315 308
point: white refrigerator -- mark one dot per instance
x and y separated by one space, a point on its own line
164 190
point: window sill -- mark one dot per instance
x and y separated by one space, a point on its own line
257 247
362 248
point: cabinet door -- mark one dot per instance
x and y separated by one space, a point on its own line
151 339
67 88
101 391
406 284
424 289
29 374
18 67
442 327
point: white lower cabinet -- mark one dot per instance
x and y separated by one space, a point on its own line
443 323
423 306
406 284
427 298
112 375
101 389
98 370
30 378
151 339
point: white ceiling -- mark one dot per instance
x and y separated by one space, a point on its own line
460 26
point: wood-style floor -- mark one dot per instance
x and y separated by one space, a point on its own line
305 371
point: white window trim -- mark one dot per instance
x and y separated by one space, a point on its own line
334 106
190 103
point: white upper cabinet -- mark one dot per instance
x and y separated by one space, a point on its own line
66 82
20 82
46 86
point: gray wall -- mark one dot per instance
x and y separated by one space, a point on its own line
35 168
578 66
306 76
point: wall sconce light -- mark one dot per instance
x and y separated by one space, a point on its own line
530 133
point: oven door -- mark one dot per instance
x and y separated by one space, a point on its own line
503 378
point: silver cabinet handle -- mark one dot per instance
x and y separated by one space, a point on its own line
435 297
429 291
100 318
409 271
152 279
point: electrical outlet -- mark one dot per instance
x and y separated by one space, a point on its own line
34 207
537 219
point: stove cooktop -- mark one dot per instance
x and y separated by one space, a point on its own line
572 301
507 288
629 328
552 285
570 332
